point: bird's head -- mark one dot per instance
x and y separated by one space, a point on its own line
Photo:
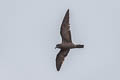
57 46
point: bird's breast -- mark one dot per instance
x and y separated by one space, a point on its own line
67 45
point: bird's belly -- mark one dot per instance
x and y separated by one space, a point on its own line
67 46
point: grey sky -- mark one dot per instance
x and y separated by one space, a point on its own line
29 31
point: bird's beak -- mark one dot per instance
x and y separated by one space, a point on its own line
55 47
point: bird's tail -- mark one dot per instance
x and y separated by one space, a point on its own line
79 46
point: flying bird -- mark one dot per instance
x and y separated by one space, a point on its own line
66 44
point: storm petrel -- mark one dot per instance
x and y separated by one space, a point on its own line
66 44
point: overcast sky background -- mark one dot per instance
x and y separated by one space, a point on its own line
29 31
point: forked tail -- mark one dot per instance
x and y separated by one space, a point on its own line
79 46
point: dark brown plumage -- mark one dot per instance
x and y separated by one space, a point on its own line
66 44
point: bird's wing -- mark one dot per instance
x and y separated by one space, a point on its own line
60 58
65 29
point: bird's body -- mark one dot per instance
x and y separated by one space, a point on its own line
67 43
68 46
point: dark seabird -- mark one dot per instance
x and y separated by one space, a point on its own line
66 44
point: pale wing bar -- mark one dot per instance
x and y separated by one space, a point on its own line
60 58
65 29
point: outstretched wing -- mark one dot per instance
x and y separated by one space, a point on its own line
60 58
65 29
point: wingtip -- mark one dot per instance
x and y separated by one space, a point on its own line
58 70
67 13
58 67
68 10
